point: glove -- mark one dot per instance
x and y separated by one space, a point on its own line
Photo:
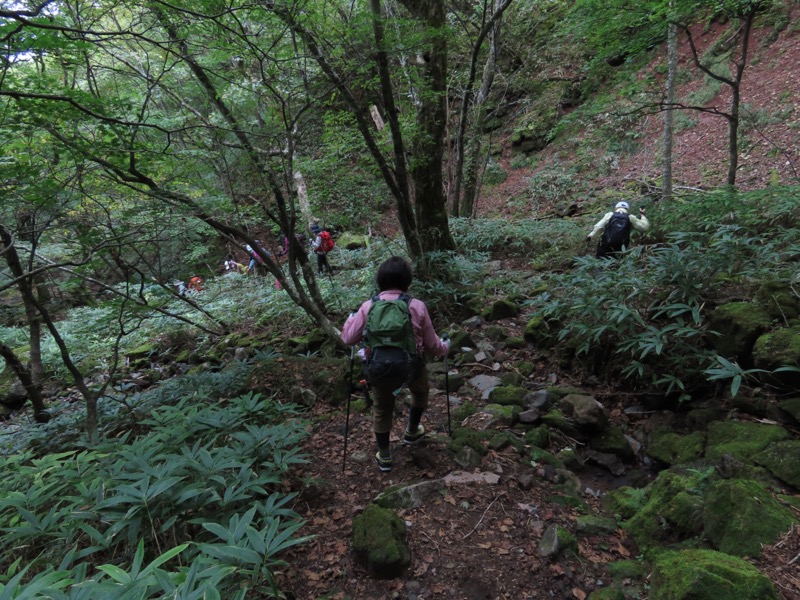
362 354
588 238
446 342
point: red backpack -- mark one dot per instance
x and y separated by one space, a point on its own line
327 241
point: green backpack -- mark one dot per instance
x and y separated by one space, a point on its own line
390 337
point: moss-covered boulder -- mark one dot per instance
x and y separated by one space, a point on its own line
508 395
595 525
496 333
779 299
740 515
501 309
537 331
791 407
777 349
740 439
782 459
738 324
673 510
707 575
461 339
625 501
503 415
470 438
585 412
675 449
538 436
556 419
612 441
379 542
352 241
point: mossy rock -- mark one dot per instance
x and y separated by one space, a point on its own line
782 459
741 440
461 339
507 395
777 349
470 438
504 439
673 510
525 368
538 331
504 415
141 351
740 515
675 449
538 455
515 343
379 542
625 501
496 333
539 437
512 379
501 309
595 525
628 569
779 299
706 575
613 441
609 593
352 241
557 420
739 325
791 407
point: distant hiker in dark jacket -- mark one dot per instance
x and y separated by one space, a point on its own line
616 229
393 279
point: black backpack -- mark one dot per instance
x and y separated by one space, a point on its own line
617 233
389 336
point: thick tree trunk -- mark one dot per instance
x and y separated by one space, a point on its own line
428 146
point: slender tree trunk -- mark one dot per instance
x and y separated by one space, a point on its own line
669 113
467 160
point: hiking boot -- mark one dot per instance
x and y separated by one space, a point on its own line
384 462
412 438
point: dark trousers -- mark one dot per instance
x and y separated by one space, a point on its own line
322 263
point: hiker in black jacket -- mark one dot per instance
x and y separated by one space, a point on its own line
616 229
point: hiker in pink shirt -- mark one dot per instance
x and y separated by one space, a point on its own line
397 346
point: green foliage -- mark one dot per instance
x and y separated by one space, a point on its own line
205 472
647 311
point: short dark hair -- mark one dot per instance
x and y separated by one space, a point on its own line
394 274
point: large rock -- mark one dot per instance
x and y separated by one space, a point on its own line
585 412
782 459
673 448
379 542
741 440
352 241
740 515
707 575
778 349
739 325
779 299
501 309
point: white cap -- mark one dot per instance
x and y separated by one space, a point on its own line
624 205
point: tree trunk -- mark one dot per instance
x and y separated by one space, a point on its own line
669 97
33 390
428 145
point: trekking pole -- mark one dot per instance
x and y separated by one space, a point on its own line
447 387
349 394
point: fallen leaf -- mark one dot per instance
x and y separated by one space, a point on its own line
579 593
